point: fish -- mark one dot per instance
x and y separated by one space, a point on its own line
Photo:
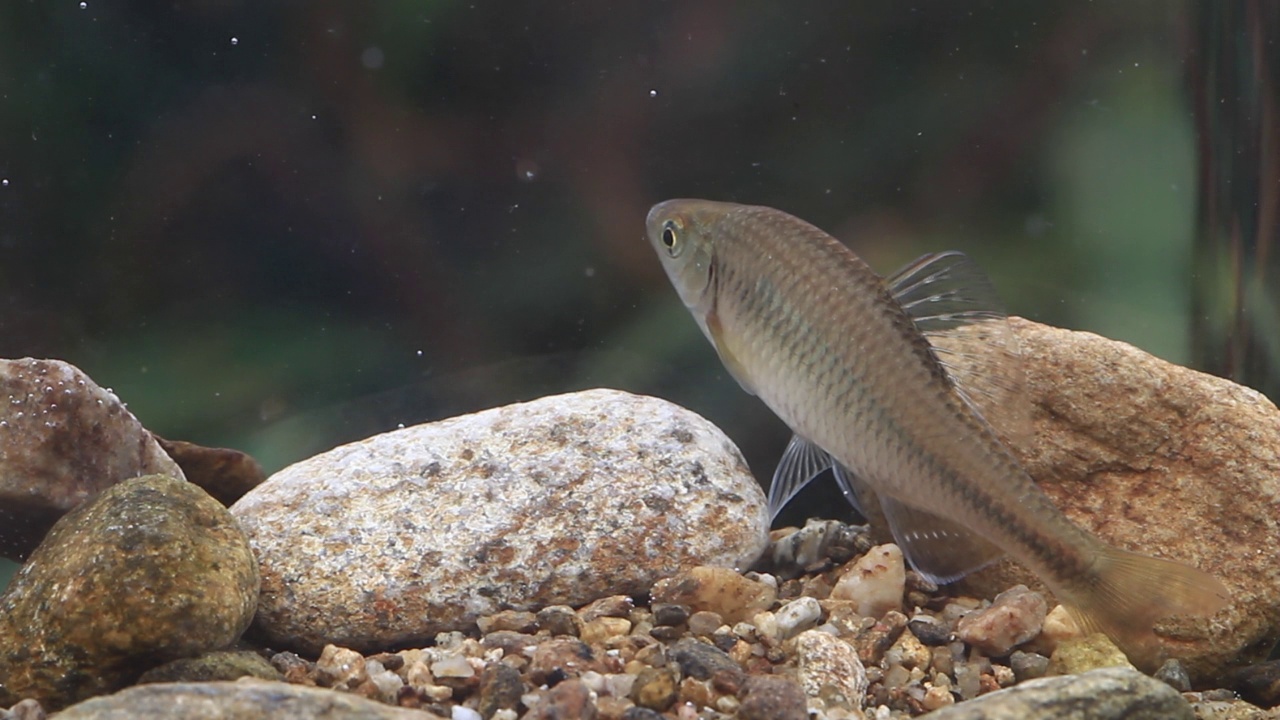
907 389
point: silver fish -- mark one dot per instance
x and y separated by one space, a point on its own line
886 383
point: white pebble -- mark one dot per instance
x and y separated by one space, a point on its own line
464 713
797 616
874 582
452 666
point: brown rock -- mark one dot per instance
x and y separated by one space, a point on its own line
150 570
767 697
224 473
716 589
560 620
702 661
1016 616
654 688
618 606
876 639
514 620
561 657
1162 460
500 689
570 700
65 439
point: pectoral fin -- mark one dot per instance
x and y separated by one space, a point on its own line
711 328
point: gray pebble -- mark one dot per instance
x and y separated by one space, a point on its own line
1105 694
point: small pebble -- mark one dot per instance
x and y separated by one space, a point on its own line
559 620
704 622
929 630
829 670
874 582
669 614
937 697
452 666
1028 665
717 589
766 626
602 628
797 616
514 620
655 688
1173 674
1090 652
343 668
618 606
1016 616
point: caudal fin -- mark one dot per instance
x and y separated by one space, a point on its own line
1129 592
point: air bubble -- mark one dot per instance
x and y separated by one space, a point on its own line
235 41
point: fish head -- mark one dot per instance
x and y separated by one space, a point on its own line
681 232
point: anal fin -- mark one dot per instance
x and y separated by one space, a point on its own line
939 549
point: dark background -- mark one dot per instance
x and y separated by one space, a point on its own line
280 226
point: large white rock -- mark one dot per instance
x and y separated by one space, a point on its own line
562 500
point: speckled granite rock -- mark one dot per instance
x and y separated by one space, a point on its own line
241 700
1164 460
1095 695
62 440
150 570
557 501
830 671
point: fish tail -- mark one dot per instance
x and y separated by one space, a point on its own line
1127 593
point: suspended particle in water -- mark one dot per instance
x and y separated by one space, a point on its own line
84 6
526 170
235 41
653 93
4 182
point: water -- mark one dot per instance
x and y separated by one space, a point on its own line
247 218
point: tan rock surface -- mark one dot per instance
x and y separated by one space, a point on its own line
1163 460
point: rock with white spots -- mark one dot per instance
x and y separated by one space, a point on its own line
558 501
63 439
873 582
830 670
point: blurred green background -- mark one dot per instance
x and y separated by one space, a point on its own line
280 226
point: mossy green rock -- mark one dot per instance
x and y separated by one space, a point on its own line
151 570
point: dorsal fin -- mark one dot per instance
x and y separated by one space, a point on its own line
955 306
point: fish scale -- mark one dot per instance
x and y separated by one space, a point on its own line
802 322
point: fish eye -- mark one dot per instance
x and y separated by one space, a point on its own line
669 238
